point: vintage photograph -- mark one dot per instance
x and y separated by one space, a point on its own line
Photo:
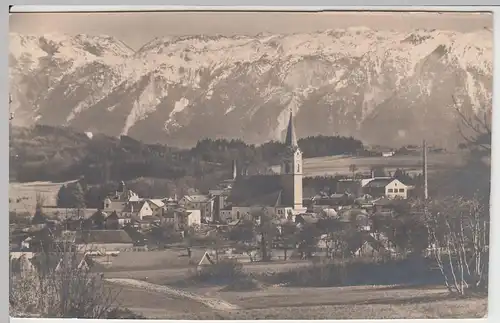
250 165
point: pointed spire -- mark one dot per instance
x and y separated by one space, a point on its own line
235 169
291 139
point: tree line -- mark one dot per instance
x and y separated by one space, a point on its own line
45 153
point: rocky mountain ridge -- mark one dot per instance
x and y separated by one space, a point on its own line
382 87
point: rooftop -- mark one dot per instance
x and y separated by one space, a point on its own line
102 236
157 202
197 198
264 190
379 182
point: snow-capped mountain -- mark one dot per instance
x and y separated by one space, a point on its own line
382 87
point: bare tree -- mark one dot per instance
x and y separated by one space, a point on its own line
458 230
475 129
353 168
267 231
60 285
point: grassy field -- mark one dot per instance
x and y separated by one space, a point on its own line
153 260
369 302
340 164
154 304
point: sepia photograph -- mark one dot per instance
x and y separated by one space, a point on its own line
206 165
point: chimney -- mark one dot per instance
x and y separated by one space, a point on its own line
424 169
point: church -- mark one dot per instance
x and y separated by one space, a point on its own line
279 195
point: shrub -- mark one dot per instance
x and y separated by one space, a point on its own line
357 272
245 283
224 271
122 313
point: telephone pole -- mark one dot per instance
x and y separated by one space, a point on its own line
424 169
11 116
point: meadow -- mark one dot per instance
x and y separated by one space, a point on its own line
22 196
278 302
340 165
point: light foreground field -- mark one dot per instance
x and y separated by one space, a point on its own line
156 294
304 303
22 196
332 165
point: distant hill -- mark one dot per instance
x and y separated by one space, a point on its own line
46 153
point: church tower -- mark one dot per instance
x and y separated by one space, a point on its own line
291 170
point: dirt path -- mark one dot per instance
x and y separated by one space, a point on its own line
212 303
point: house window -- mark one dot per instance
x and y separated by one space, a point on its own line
298 168
237 214
390 190
401 190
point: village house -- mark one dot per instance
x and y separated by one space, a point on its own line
170 204
186 218
157 206
56 262
203 203
40 239
357 217
349 186
333 200
389 187
220 195
181 218
121 198
383 204
137 209
305 219
109 240
388 153
370 244
96 221
226 214
116 221
20 263
146 222
220 202
25 263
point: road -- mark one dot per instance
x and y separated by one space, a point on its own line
213 303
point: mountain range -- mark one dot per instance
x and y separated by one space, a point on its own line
387 88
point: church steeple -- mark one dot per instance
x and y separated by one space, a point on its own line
291 170
235 169
291 138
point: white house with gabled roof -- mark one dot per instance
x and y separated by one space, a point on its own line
389 187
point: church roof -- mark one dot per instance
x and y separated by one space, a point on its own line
264 190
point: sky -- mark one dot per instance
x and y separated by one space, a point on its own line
138 28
